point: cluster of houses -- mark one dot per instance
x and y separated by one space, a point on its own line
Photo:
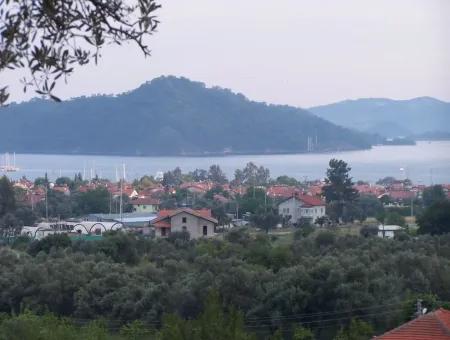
397 192
294 204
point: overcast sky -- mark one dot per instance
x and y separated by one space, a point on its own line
298 52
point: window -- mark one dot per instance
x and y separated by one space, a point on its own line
163 232
287 210
184 220
184 228
205 230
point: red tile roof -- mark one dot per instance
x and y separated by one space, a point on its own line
431 326
370 189
221 198
161 224
145 201
281 191
166 214
308 200
315 190
200 186
312 201
401 194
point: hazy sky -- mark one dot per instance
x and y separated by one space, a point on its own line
298 52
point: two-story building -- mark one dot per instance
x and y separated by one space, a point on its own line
302 206
145 205
198 223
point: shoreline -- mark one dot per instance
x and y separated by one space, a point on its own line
194 155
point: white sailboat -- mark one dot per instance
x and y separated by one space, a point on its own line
8 167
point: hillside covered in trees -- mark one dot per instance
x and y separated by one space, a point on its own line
425 116
168 116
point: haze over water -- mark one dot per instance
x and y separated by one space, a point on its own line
424 163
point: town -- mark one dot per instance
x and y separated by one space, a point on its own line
204 203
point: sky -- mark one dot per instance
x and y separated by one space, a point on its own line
297 52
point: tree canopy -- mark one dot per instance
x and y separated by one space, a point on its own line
436 219
339 191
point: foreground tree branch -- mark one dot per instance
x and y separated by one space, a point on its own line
50 37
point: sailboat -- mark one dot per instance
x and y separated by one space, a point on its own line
8 167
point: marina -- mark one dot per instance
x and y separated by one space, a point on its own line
426 162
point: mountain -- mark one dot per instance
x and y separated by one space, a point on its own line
387 117
168 116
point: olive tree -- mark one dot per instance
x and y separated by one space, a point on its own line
49 38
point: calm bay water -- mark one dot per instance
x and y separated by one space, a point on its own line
426 162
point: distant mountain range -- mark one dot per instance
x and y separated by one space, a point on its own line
390 118
169 116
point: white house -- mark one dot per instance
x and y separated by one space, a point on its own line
302 206
145 205
199 223
388 231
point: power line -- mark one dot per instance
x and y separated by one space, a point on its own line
333 319
325 313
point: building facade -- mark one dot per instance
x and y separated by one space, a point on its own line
198 223
302 206
145 205
388 231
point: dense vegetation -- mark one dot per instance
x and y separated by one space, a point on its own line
168 116
321 281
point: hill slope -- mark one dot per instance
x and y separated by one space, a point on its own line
167 116
389 117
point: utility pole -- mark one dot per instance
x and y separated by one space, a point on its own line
265 202
46 203
121 198
121 192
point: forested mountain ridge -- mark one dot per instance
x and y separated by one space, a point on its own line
389 117
168 116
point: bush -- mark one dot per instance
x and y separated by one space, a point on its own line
49 242
369 231
177 236
394 218
325 238
304 231
436 219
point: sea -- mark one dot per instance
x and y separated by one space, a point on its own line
427 162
